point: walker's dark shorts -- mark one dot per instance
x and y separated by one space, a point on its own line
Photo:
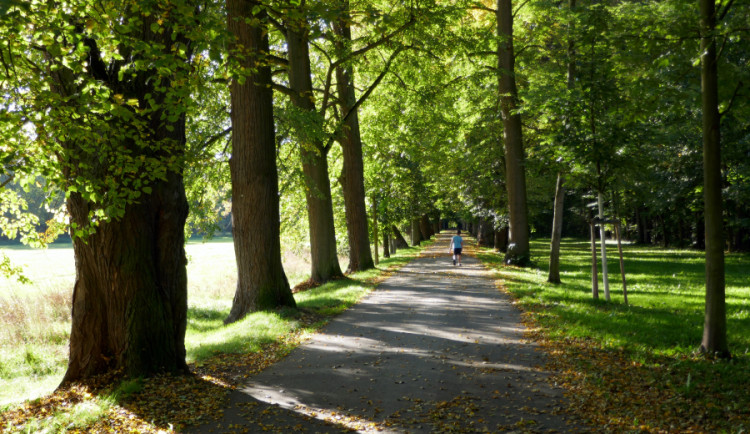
457 251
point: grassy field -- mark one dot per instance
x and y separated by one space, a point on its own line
635 366
35 318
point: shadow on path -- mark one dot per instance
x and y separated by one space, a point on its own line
436 348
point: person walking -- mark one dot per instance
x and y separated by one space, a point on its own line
457 244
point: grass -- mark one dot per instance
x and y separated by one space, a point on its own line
617 353
35 318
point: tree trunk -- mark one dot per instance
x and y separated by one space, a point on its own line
501 239
486 236
375 228
386 242
515 173
641 223
558 207
130 294
261 282
353 183
399 240
622 263
715 324
324 261
700 231
479 236
425 228
557 220
594 271
603 240
416 232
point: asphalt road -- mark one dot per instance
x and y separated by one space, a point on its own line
436 348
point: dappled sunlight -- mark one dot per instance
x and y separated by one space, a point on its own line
430 330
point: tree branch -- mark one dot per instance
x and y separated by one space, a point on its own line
213 139
480 7
518 9
731 101
283 89
274 22
381 41
277 60
720 15
364 96
327 85
7 181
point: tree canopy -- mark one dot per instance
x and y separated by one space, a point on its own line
117 106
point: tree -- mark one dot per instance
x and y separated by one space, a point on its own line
515 175
352 180
714 327
261 282
106 86
314 152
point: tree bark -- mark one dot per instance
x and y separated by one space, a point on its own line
715 325
130 294
416 231
353 183
399 240
324 261
515 173
554 255
261 281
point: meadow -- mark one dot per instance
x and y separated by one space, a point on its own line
636 366
35 317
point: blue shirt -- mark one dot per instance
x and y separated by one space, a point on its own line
458 242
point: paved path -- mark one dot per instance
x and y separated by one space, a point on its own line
436 348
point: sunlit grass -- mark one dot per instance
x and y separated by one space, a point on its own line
644 353
666 291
